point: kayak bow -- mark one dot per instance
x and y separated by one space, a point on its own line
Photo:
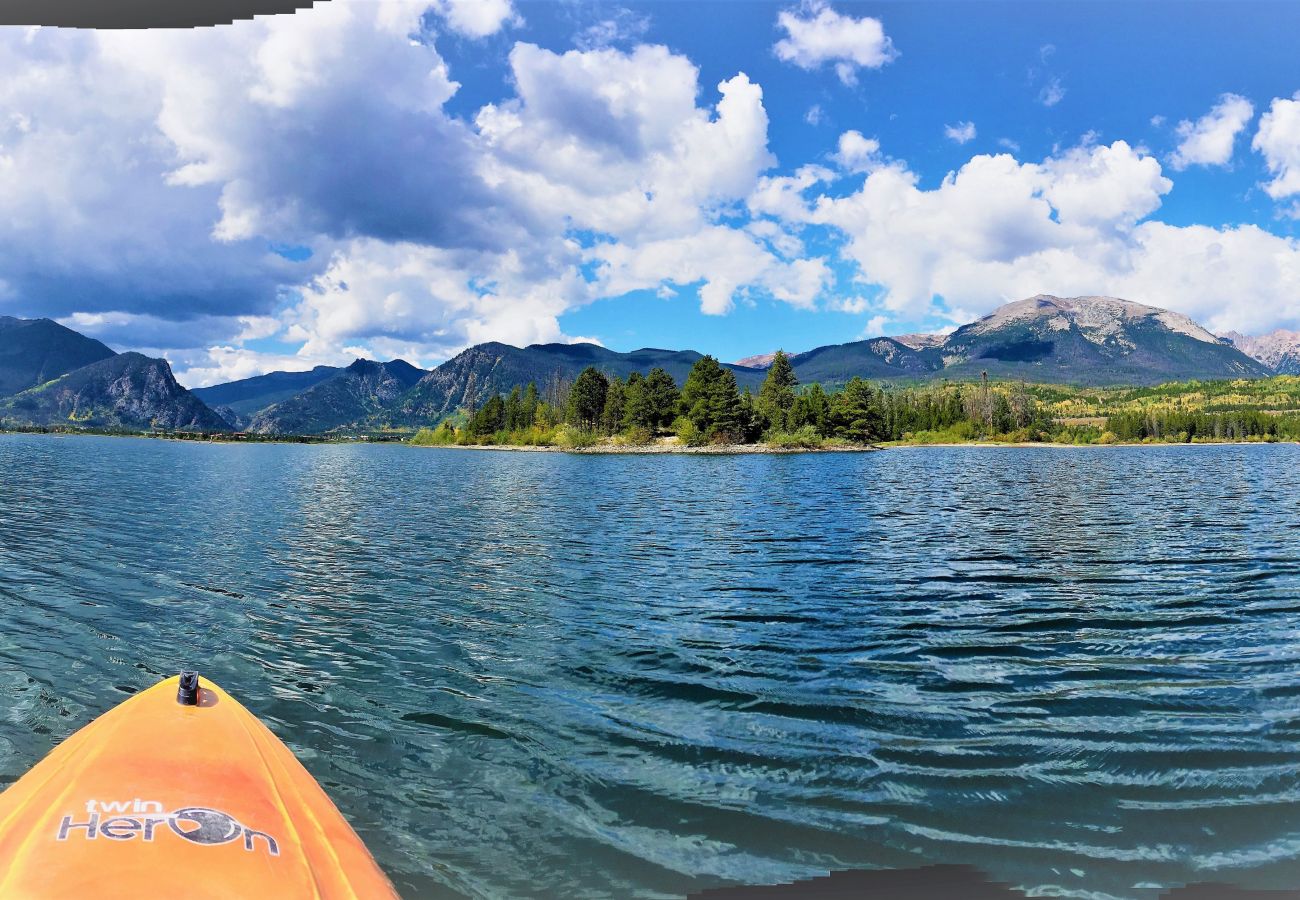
178 792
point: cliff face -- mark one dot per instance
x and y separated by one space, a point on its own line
128 390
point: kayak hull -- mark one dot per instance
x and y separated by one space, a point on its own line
157 798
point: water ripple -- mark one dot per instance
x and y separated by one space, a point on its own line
528 674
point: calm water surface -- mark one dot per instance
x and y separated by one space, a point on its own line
542 674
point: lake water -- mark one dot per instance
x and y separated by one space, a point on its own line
591 676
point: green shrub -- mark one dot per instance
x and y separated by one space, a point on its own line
688 434
575 438
441 436
635 437
805 438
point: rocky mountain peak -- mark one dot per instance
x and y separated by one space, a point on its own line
1099 319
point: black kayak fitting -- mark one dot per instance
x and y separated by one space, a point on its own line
187 693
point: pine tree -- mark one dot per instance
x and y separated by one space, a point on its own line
812 407
636 411
776 398
490 418
856 412
611 416
514 409
661 398
587 399
751 420
699 383
727 409
528 408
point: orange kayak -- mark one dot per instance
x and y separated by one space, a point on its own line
178 792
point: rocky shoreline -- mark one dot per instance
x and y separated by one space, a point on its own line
657 449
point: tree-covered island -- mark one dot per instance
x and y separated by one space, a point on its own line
597 410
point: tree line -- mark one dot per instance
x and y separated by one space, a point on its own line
711 408
1174 425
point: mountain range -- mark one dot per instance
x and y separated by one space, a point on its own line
1279 350
51 375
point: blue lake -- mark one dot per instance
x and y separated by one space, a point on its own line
527 674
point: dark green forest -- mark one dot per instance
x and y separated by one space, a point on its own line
710 408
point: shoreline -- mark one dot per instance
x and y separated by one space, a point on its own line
655 449
660 449
762 449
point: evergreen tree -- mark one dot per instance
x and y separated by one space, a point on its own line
699 383
811 407
528 408
752 421
661 398
612 415
1002 417
727 410
712 401
587 399
514 410
856 412
776 398
636 413
490 418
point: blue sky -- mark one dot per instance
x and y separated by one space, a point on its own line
407 178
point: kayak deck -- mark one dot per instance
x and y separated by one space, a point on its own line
162 798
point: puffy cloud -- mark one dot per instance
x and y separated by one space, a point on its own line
161 170
477 18
616 141
1241 278
783 196
431 301
857 153
1103 187
89 221
816 34
962 132
998 229
722 260
1208 141
328 122
1278 139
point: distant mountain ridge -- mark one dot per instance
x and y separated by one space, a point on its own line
1079 340
249 395
54 376
351 396
469 378
1279 350
51 375
126 390
1091 340
34 351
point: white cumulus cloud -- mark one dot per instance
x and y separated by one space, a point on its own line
816 35
857 153
477 18
1278 139
1208 141
1076 223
